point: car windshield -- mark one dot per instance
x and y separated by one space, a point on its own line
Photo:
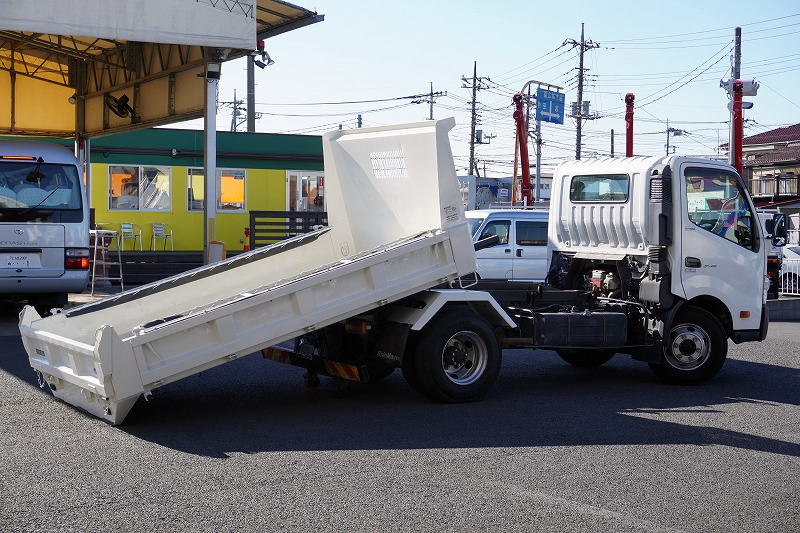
474 224
42 186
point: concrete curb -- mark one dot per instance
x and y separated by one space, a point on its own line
784 309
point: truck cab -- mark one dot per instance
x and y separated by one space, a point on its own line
677 236
44 224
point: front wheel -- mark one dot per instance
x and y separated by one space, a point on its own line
457 358
585 358
694 350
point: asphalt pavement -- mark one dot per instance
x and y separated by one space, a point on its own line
245 447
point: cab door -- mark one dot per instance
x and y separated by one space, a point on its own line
722 246
496 262
530 250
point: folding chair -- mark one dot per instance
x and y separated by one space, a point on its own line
162 231
129 231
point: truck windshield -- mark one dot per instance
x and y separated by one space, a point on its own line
474 224
33 190
716 202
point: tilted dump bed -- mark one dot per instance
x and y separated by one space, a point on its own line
396 227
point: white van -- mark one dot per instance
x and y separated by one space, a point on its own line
44 224
521 254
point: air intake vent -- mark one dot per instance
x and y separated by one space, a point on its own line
657 254
658 190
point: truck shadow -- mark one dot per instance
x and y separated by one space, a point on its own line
537 402
252 405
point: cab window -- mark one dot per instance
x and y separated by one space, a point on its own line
531 233
716 203
599 188
497 227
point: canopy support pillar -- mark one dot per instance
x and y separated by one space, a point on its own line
212 75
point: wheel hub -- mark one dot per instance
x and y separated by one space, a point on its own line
464 358
689 347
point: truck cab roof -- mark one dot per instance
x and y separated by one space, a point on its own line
528 214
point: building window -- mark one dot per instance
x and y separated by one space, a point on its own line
306 191
231 185
230 189
139 188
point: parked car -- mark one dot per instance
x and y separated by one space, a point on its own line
521 254
790 270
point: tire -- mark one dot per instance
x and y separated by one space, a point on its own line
694 350
585 358
457 358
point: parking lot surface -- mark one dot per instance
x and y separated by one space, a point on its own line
245 447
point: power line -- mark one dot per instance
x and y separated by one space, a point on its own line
409 97
726 28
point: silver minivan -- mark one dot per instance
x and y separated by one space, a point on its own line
44 223
521 254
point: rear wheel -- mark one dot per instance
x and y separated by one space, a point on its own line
457 358
694 349
585 358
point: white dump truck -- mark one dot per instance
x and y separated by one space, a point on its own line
651 257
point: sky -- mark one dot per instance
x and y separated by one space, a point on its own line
671 55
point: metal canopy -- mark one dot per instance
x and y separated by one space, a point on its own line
117 80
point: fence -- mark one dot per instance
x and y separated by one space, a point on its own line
267 227
789 280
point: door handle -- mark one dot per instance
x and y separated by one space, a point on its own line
692 262
519 252
508 250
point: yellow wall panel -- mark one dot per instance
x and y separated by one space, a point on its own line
5 100
153 99
43 106
265 190
189 91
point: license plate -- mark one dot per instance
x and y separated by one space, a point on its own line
20 261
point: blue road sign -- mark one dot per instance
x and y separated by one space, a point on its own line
549 106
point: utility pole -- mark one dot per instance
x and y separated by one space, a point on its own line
251 94
240 113
475 84
235 112
612 143
674 131
736 73
430 101
667 137
581 113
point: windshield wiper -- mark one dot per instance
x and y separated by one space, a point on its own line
29 209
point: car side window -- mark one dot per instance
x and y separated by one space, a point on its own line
500 228
716 203
530 233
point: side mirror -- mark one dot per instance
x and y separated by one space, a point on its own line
779 232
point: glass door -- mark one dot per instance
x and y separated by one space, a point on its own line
305 191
